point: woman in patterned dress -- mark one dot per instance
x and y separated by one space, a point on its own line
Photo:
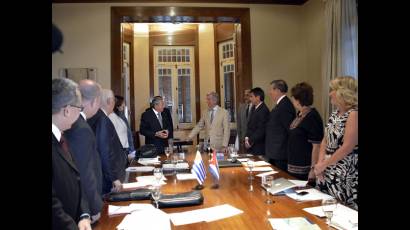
305 134
337 167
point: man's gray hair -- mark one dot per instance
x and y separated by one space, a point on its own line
214 96
63 93
105 95
155 101
89 89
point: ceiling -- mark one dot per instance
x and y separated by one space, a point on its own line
285 2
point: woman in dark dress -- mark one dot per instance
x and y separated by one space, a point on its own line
337 167
305 134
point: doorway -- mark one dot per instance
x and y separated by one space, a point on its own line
240 16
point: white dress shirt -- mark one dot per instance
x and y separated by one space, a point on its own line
121 129
280 99
56 131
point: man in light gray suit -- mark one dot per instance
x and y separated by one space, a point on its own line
244 113
215 121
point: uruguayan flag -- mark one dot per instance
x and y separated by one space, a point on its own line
198 168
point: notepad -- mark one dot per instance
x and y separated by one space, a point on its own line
259 169
343 217
140 169
186 176
292 223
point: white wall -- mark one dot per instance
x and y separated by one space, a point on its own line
141 75
86 39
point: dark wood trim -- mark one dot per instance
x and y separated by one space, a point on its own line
221 36
129 38
121 14
197 88
284 2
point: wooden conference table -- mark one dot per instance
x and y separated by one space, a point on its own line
234 190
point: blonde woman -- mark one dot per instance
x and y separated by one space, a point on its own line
337 167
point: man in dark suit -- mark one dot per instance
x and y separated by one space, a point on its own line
244 113
278 124
156 124
255 132
84 148
69 207
113 158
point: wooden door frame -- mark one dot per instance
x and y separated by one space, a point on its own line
146 14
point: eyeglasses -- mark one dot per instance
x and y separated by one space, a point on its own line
78 106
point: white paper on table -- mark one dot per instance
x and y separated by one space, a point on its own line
257 163
147 219
116 210
266 173
148 161
141 184
299 183
313 194
242 159
259 169
343 217
149 178
220 212
205 214
186 176
188 217
182 165
292 223
134 185
140 169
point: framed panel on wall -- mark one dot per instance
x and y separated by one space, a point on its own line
77 74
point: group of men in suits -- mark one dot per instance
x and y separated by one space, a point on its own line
88 157
262 132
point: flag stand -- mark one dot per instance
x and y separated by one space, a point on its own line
198 187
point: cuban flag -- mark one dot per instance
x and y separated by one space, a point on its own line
213 166
198 168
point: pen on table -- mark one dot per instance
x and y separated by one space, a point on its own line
309 220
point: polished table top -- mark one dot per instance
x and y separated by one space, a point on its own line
234 190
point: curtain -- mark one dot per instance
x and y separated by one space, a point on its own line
340 51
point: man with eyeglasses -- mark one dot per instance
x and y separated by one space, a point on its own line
69 207
84 147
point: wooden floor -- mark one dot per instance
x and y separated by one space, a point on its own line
233 190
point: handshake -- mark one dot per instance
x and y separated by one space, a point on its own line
162 134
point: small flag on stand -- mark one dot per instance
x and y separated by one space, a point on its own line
214 169
198 169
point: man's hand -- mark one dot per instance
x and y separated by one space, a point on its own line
247 144
161 134
95 218
131 156
84 224
117 186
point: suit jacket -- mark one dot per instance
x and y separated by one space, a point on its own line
68 201
113 158
149 125
83 146
218 131
277 129
242 121
256 129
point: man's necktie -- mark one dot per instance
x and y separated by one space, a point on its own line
247 111
160 119
252 110
64 146
212 115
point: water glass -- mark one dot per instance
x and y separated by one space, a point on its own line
250 164
167 152
329 206
158 174
267 183
156 193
